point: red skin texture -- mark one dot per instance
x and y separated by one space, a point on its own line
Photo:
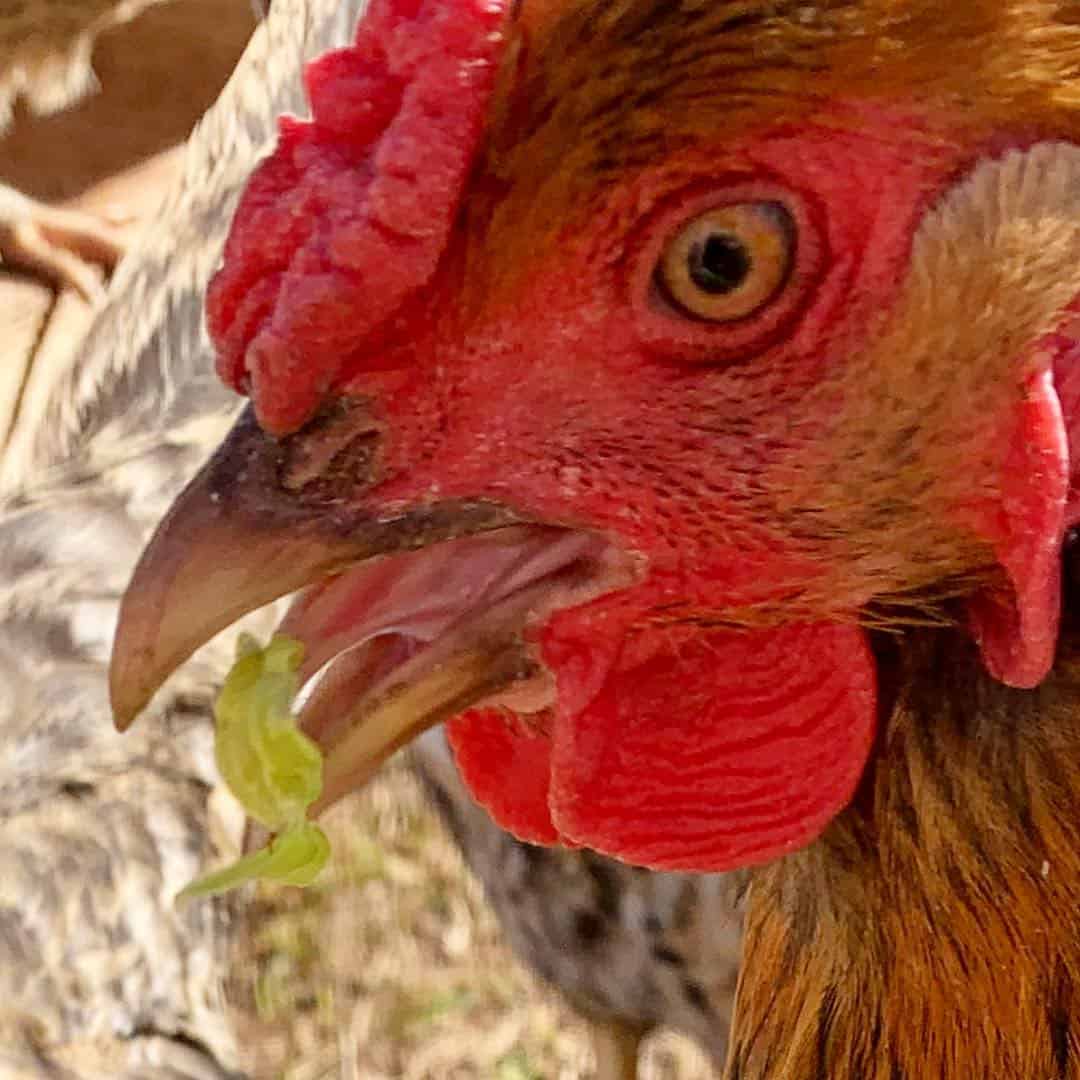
686 749
581 399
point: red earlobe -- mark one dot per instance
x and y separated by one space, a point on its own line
1016 625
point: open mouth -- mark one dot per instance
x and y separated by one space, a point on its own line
417 611
402 642
407 617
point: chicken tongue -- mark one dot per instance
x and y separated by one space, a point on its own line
422 594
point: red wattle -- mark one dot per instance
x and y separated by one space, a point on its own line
349 216
711 750
508 770
700 750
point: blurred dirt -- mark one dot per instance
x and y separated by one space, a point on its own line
394 957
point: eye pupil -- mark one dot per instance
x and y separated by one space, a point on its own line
719 265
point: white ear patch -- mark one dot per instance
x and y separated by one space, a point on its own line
1011 228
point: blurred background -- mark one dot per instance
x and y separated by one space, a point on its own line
391 966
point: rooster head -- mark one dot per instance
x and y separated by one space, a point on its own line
615 372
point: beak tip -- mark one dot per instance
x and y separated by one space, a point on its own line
125 699
136 672
122 723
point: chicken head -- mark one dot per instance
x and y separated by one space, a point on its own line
614 371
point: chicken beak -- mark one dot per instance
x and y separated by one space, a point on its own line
264 518
368 733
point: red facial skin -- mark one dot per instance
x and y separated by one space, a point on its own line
588 401
582 398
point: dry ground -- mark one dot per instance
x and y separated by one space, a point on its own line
396 954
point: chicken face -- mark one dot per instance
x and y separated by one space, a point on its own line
601 414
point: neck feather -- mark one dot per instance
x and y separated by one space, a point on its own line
934 931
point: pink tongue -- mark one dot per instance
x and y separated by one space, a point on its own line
423 594
698 751
351 213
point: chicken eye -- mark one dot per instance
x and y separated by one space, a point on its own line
729 262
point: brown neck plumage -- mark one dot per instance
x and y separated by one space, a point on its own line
935 930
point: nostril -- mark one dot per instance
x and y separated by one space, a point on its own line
334 452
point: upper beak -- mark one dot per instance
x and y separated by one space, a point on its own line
263 518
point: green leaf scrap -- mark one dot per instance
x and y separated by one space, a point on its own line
270 765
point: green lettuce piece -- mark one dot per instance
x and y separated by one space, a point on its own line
270 765
295 857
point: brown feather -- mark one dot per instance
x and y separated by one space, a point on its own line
934 931
567 125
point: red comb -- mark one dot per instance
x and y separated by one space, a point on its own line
351 213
